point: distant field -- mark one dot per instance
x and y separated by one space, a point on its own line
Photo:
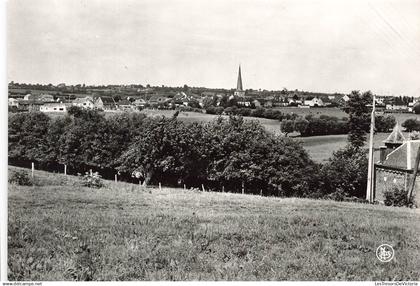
316 111
270 124
401 117
59 230
320 148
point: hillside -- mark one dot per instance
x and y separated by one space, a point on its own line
59 230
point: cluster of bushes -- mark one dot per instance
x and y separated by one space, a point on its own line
20 178
397 197
259 112
411 124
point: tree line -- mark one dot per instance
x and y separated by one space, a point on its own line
223 154
331 125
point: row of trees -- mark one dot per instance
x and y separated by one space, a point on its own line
331 125
225 152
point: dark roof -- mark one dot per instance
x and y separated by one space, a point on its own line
399 158
124 102
29 102
107 100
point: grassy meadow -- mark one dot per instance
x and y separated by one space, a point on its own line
59 230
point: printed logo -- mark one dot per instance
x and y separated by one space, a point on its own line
385 253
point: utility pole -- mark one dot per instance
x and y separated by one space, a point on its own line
369 189
415 171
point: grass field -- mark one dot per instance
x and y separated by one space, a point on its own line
271 125
317 111
320 148
59 230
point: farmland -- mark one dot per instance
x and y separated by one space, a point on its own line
59 230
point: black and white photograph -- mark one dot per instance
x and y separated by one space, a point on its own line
211 140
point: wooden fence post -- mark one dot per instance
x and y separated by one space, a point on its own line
160 186
202 187
33 169
223 189
116 178
260 192
65 169
184 187
243 187
91 173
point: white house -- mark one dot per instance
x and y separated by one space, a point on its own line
13 102
54 107
313 102
85 102
397 107
139 102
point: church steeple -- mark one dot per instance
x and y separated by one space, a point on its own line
239 88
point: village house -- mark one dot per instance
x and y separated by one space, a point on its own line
30 105
394 169
13 102
243 101
55 107
85 102
181 98
158 101
313 102
397 107
327 101
125 105
256 103
140 102
105 103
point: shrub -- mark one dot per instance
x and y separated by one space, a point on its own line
20 178
396 197
411 124
92 180
384 123
346 170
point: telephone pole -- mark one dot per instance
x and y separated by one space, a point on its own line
369 189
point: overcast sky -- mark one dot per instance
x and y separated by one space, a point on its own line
331 46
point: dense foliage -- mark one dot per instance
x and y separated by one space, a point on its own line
225 153
411 124
359 117
397 197
345 173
